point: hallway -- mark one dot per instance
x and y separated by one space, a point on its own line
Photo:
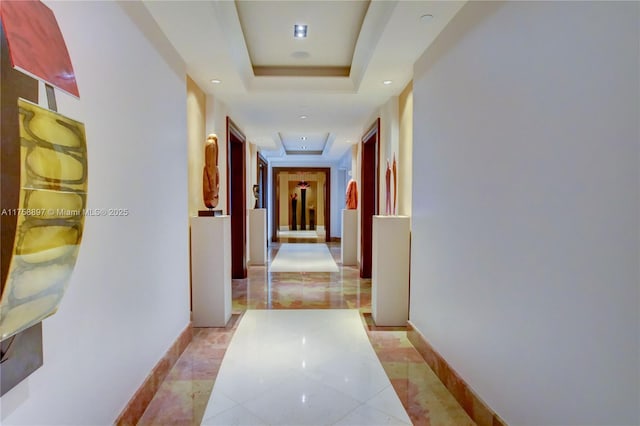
515 134
183 396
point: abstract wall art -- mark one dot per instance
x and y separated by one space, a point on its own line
36 45
43 184
53 191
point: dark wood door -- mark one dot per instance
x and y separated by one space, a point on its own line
369 195
262 181
236 199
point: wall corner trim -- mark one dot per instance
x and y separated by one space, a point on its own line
475 407
135 408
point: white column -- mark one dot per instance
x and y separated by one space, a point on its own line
390 270
211 270
349 239
258 240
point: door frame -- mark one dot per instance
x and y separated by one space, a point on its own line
238 215
370 142
262 179
276 197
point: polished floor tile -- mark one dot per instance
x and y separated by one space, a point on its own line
305 367
300 234
307 257
186 393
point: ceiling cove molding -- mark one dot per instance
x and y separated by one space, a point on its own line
279 151
375 21
228 20
301 71
297 84
145 22
304 152
314 79
328 144
326 147
311 161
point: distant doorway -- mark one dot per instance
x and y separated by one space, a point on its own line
370 182
236 199
301 204
262 181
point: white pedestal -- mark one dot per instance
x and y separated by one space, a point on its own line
390 271
349 237
258 236
211 270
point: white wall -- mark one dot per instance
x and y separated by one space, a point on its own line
196 141
343 170
251 179
271 193
526 210
127 301
356 174
389 144
405 150
337 204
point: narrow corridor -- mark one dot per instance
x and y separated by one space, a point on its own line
183 396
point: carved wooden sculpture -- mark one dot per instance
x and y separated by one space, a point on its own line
352 195
210 174
294 211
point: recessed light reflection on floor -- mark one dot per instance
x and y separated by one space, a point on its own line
332 386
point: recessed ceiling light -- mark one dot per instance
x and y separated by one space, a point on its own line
300 31
387 82
426 17
216 81
303 117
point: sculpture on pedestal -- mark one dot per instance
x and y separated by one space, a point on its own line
303 185
303 208
256 195
294 207
352 195
210 173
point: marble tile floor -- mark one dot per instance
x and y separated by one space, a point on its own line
302 367
300 234
183 396
309 257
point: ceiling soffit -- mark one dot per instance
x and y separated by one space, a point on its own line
376 16
304 143
209 37
327 51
